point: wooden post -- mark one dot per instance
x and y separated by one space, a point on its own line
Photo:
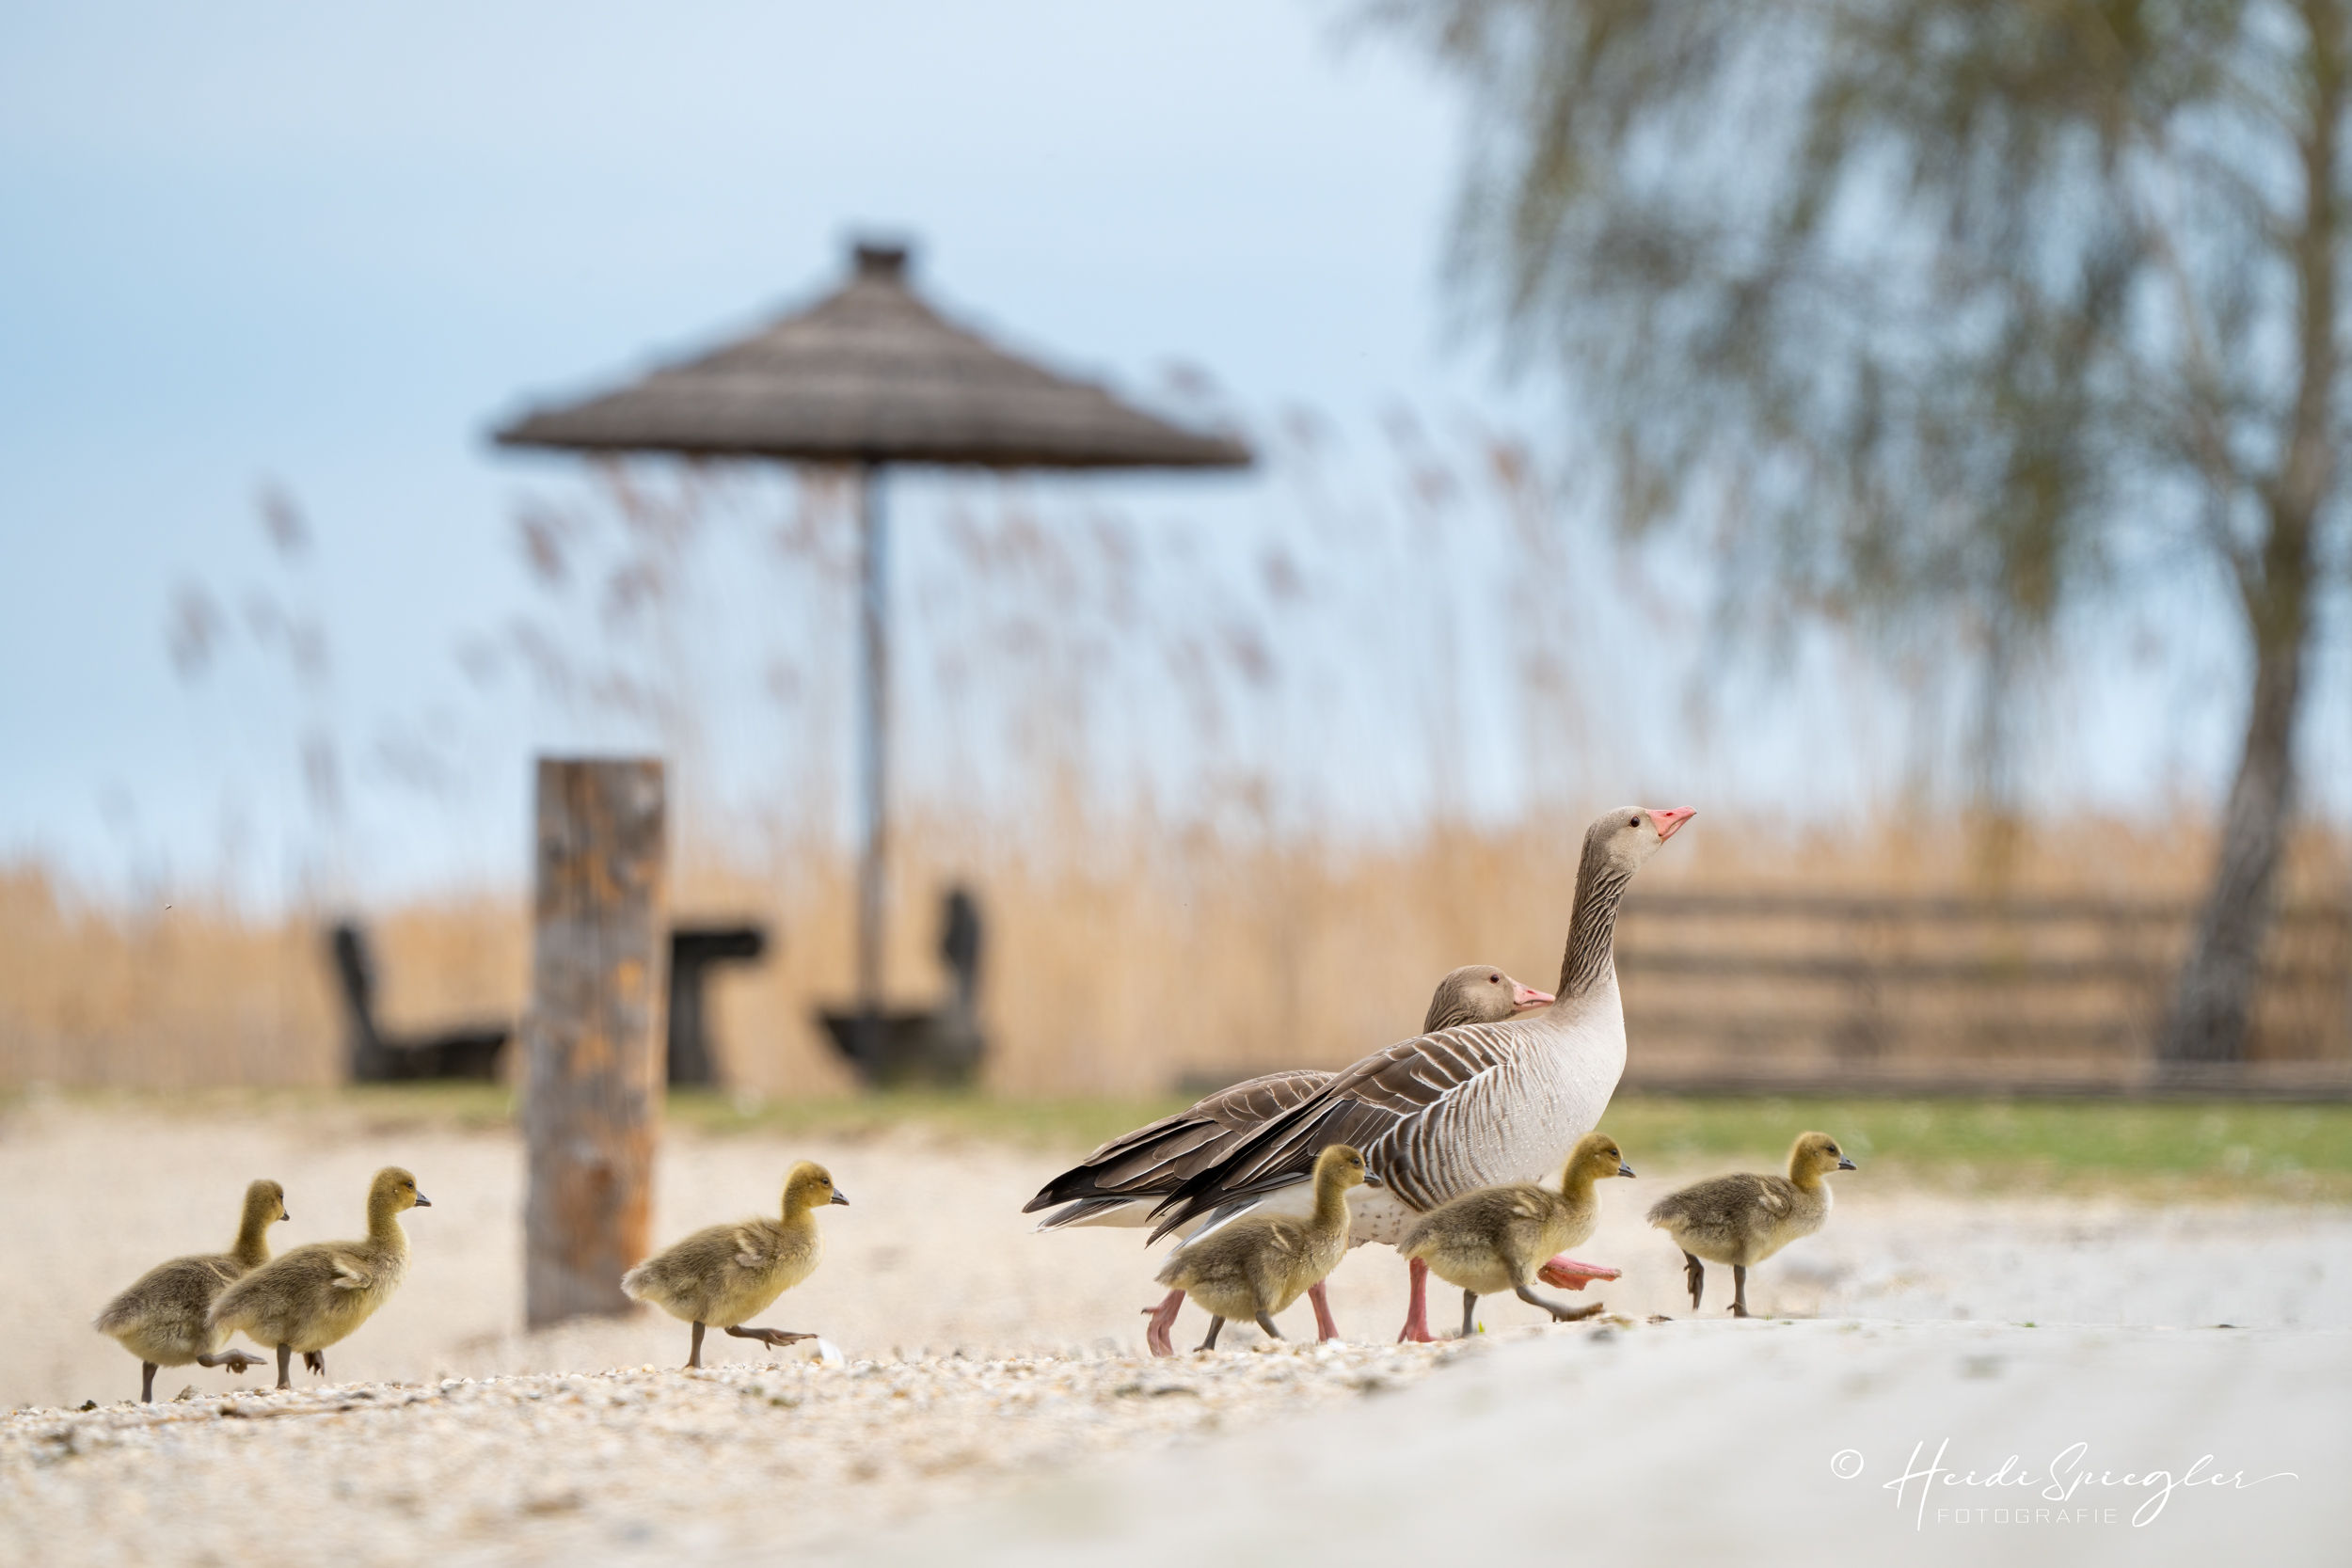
592 1056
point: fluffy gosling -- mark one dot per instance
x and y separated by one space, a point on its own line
317 1294
1743 1220
1255 1266
162 1318
1497 1238
724 1273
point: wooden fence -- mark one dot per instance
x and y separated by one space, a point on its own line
1742 993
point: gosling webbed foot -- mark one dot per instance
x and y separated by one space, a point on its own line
777 1337
1561 1312
1569 1274
235 1360
314 1361
1694 1276
1163 1324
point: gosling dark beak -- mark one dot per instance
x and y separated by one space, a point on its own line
1371 1181
423 1202
284 1215
1624 1169
1844 1164
838 1198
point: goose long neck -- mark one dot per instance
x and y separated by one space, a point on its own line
252 1248
1330 1203
1593 929
384 1222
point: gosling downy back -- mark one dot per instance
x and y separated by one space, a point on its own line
725 1274
164 1317
314 1295
1260 1264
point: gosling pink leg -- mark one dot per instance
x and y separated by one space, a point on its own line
1569 1274
1417 1314
1324 1327
1164 1319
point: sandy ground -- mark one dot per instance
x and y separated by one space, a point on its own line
984 1355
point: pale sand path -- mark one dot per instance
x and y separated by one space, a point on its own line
933 1256
1688 1442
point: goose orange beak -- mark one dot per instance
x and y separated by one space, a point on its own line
1670 819
1524 997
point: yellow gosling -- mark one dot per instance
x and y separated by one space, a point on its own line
1255 1266
1497 1238
724 1274
1743 1220
162 1319
317 1294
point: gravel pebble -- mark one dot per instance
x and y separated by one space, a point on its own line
616 1464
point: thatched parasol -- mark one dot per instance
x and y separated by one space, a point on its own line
872 375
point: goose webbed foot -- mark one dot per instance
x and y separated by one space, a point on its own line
1561 1312
1267 1324
1739 1292
1156 1332
1569 1274
1417 1311
1694 1276
147 1383
1215 1324
235 1360
314 1361
1469 1313
1324 1327
777 1337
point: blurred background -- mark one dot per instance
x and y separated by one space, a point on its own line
1927 498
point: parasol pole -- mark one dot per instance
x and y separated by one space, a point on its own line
873 755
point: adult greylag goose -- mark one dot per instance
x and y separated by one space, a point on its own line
1495 1238
1477 1105
1119 1182
1741 1220
161 1318
1258 1265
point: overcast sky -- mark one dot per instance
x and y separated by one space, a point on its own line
324 249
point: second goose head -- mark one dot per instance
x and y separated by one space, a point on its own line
1478 994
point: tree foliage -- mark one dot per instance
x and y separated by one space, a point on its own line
1952 304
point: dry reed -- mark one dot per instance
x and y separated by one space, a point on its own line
1143 957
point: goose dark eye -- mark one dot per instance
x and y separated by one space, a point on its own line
1494 979
1632 821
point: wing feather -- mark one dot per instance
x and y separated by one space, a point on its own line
1382 1099
1152 1161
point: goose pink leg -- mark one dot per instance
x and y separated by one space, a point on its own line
1324 1327
1417 1314
1569 1274
1163 1320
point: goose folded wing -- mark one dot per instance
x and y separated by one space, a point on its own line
1151 1160
1412 1081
